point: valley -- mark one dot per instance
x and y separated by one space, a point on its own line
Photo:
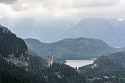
25 60
62 41
71 48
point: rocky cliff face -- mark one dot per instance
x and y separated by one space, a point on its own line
12 48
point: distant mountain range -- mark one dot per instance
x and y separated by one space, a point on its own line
110 31
44 30
79 48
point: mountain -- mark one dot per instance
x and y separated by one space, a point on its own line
12 48
44 30
110 68
109 30
17 65
14 59
79 48
10 73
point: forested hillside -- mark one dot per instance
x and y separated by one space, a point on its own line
79 48
110 68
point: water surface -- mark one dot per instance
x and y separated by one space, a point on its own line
79 63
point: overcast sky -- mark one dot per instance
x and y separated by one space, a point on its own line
60 9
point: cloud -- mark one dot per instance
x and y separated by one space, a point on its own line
8 1
78 3
61 9
95 3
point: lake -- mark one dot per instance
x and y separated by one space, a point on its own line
79 63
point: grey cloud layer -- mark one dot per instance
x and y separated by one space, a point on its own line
8 1
78 3
63 8
95 3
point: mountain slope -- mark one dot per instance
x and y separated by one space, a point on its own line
111 66
10 73
12 48
79 48
15 62
14 59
